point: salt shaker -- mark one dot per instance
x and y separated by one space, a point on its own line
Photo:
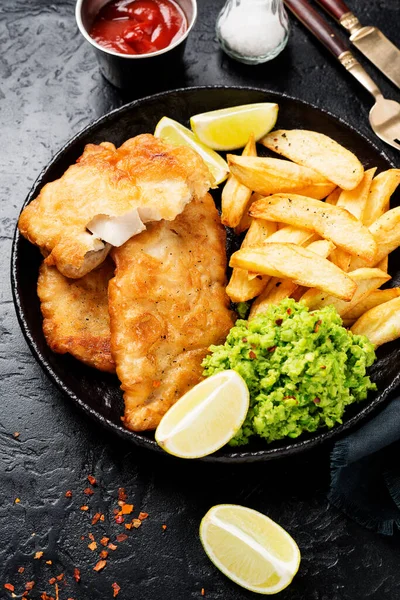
252 31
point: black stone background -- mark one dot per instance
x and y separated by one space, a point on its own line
51 88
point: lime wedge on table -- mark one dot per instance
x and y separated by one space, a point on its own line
230 128
178 135
206 417
249 548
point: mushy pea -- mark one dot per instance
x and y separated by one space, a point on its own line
302 369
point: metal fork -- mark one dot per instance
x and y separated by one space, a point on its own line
384 116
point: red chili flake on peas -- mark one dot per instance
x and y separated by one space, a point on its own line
317 400
252 355
279 322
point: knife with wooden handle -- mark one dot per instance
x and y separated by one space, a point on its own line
368 40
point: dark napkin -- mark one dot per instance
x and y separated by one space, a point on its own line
365 472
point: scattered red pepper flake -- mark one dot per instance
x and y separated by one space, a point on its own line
128 525
82 537
317 400
91 537
104 541
45 596
164 527
60 577
68 494
112 546
323 366
272 349
88 491
52 580
49 562
103 554
29 585
57 597
119 519
21 569
317 324
38 554
115 588
122 494
17 500
136 523
244 340
96 518
9 587
92 480
252 354
16 434
92 546
203 592
289 311
143 515
102 517
127 509
121 537
77 574
156 384
100 565
84 508
279 322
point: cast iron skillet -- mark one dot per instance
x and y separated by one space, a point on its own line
98 394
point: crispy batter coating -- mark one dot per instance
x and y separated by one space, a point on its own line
167 305
144 173
75 314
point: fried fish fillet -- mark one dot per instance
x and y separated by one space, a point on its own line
144 177
75 314
167 305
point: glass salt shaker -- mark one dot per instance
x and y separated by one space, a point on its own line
253 31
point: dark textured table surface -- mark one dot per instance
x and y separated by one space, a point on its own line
50 89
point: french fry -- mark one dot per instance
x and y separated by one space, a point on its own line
317 151
386 232
246 218
382 187
383 265
289 234
235 196
278 289
239 288
374 298
380 324
367 280
330 222
291 261
271 175
333 196
353 201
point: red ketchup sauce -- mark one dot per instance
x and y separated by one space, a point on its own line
138 26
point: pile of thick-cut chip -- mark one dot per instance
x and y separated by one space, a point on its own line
319 229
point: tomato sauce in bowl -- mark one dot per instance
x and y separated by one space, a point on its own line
138 26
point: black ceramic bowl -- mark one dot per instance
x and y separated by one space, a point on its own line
98 394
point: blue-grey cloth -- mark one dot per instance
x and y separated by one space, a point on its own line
365 472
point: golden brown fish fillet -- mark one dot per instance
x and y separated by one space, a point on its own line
167 305
145 175
75 314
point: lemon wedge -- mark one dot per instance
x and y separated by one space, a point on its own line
206 417
249 548
230 128
177 134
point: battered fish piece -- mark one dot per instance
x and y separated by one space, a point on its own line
145 177
75 314
167 305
